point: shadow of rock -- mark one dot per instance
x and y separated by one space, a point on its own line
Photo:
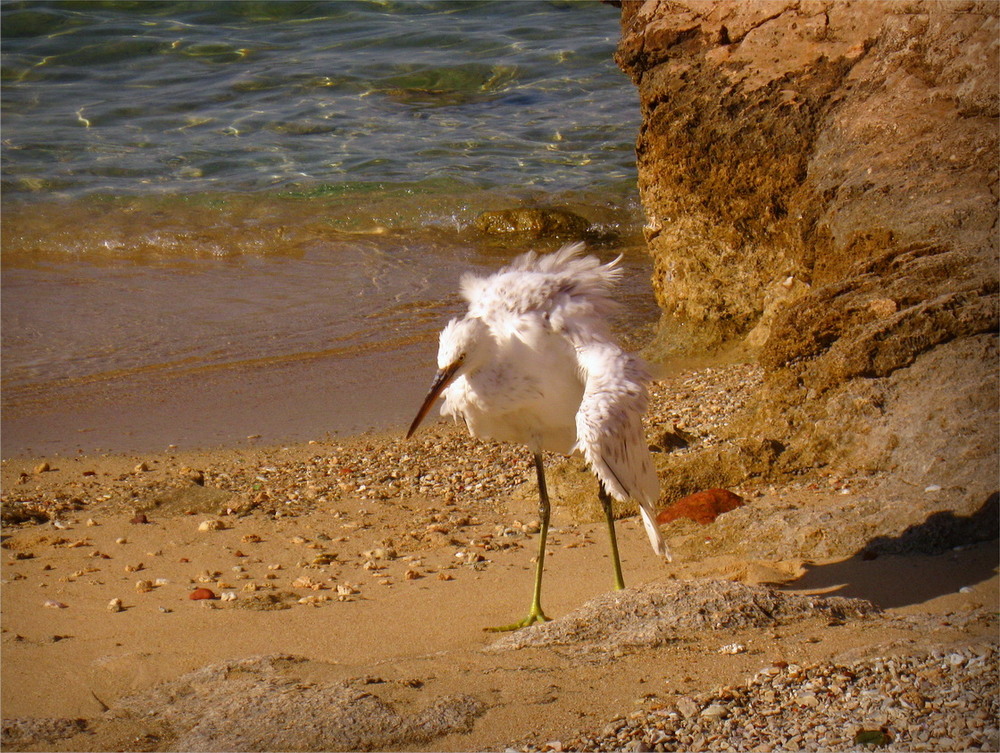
935 558
942 531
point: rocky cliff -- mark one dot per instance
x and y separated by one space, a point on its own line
820 185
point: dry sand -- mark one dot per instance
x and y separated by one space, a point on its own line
365 570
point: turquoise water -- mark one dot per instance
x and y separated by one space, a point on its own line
232 219
136 97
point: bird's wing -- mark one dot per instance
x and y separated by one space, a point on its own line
558 292
609 429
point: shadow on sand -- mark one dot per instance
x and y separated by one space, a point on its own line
919 564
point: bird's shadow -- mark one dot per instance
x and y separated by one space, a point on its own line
919 564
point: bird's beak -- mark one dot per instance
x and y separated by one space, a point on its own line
442 380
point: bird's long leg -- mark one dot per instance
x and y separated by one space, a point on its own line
535 614
605 498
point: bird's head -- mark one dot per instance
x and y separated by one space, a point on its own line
465 345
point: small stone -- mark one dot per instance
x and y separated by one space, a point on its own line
687 707
42 468
202 593
715 711
211 525
139 519
144 586
141 468
808 700
53 604
115 605
91 523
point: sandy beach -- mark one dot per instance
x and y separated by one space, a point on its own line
355 578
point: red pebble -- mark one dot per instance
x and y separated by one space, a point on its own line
701 507
202 593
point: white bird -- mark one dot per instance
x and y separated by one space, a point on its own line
533 362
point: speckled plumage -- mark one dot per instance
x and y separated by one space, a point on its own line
533 361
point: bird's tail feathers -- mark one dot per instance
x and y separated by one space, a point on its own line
648 514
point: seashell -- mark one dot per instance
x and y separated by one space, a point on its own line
314 599
733 648
201 593
715 711
345 589
228 596
53 604
305 581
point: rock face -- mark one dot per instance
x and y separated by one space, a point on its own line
820 184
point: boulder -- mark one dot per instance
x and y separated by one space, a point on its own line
820 186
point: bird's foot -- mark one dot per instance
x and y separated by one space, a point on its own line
535 615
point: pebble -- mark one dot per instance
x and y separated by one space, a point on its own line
442 463
53 604
115 605
201 593
211 525
942 700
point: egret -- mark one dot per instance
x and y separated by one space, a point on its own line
534 362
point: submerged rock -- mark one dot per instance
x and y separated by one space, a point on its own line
533 221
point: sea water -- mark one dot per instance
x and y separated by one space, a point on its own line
225 220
